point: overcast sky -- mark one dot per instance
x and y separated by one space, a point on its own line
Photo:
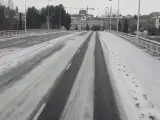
126 6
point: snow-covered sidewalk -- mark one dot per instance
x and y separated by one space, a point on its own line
20 100
136 76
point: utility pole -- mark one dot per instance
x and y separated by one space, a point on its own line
106 19
139 5
110 16
118 16
87 15
9 4
60 19
48 16
101 22
87 18
25 18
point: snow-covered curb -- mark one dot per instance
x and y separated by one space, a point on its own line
135 102
17 63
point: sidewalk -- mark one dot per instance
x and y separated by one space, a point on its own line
144 66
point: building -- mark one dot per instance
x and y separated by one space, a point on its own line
82 12
156 21
154 14
155 18
80 20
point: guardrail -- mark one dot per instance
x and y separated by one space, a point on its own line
142 42
12 33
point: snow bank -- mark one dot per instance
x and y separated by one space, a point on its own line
20 101
14 64
135 102
144 66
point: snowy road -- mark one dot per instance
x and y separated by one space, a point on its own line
24 42
91 96
80 76
21 98
61 91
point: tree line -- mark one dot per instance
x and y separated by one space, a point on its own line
36 19
125 25
57 16
7 18
126 28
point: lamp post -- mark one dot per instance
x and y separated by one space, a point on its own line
139 7
118 16
60 19
110 15
87 18
48 16
25 18
101 22
106 19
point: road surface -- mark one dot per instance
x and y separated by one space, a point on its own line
73 83
104 102
24 42
142 65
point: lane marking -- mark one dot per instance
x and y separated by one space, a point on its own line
39 112
78 51
68 66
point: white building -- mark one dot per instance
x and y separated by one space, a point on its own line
155 19
80 20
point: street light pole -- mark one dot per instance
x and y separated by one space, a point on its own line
139 7
87 18
101 22
48 16
118 16
110 14
106 19
25 18
60 18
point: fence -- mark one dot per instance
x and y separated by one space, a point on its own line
12 33
141 42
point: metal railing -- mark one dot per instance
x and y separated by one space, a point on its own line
12 33
141 42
